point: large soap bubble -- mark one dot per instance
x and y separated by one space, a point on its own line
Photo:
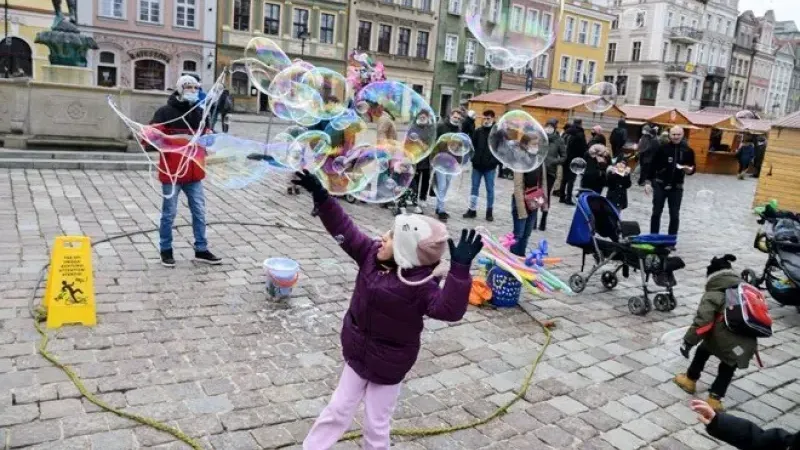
351 171
234 163
309 151
577 166
518 141
606 95
332 88
392 174
268 53
451 153
510 39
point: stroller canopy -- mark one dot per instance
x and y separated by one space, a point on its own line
594 214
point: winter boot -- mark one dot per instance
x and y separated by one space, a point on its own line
715 403
442 216
543 222
167 260
489 215
207 257
685 383
470 214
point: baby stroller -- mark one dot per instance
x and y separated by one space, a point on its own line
779 238
597 230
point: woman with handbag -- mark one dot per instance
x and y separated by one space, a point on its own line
530 196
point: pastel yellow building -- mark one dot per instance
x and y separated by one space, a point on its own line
26 18
579 58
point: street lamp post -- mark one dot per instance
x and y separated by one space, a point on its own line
303 36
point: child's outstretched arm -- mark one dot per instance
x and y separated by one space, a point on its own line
741 433
450 302
334 219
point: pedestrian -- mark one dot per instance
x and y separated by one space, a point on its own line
484 167
442 181
556 155
745 155
670 165
647 147
182 171
742 433
714 336
468 127
663 138
418 190
223 107
618 180
597 137
761 150
523 212
576 148
598 159
396 287
618 138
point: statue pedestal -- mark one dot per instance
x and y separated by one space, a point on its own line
80 76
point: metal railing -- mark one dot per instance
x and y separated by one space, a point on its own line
687 33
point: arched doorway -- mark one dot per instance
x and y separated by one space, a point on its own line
16 58
149 74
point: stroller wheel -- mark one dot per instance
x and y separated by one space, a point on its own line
349 198
750 277
662 302
638 306
609 280
577 283
672 302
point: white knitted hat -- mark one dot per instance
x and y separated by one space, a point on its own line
418 240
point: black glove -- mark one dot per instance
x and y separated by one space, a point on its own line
312 184
685 349
467 249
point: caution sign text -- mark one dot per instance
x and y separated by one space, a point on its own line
69 297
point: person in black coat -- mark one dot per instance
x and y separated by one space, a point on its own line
618 138
597 137
741 433
468 125
576 148
484 166
671 163
598 158
618 181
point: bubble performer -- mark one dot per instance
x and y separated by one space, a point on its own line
396 287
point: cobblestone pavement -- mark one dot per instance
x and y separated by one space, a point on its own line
202 349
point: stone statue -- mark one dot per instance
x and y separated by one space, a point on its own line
70 6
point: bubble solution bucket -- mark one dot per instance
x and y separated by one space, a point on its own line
505 288
282 274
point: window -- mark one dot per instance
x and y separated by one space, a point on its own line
684 90
185 13
272 19
425 5
112 8
636 53
640 19
583 32
694 23
532 22
516 18
241 15
622 85
728 28
150 11
590 72
299 22
148 74
546 20
669 19
689 55
664 51
723 58
673 84
707 22
451 47
422 44
189 68
403 41
683 20
454 7
596 31
701 54
364 34
327 23
107 70
578 75
569 29
611 55
494 10
471 51
384 38
615 23
564 70
608 79
418 88
239 80
408 3
695 89
541 68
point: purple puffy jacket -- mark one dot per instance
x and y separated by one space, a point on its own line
382 327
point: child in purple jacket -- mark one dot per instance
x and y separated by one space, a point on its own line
395 289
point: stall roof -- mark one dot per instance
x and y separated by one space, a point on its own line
790 121
709 119
560 101
638 112
761 126
503 97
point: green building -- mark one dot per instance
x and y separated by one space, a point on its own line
461 71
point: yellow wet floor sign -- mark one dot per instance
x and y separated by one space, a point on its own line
69 297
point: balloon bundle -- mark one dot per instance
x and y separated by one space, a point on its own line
535 278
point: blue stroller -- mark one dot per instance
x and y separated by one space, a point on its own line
597 230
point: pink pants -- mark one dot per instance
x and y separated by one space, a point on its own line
335 419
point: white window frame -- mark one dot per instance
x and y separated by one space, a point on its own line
150 2
185 5
517 24
596 34
123 10
308 22
669 19
547 23
695 89
378 41
532 27
102 64
335 29
684 90
471 52
569 28
672 88
196 65
583 29
564 70
280 17
591 71
454 7
453 56
577 70
541 70
494 10
249 17
633 48
609 53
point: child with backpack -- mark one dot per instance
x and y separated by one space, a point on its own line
741 433
720 333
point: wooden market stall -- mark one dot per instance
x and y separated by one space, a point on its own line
567 107
780 172
636 116
500 101
722 161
